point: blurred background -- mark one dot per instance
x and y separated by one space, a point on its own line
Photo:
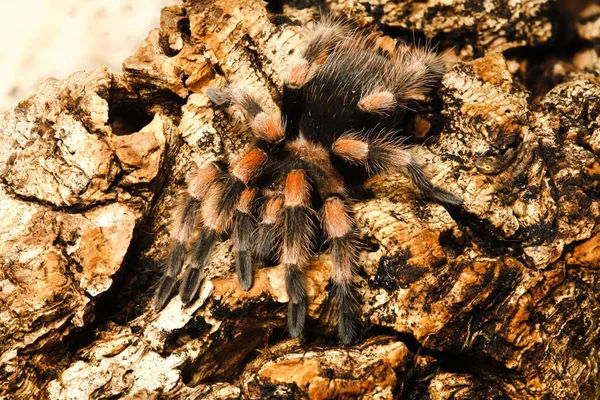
54 38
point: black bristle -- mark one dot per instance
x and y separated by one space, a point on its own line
230 196
429 189
343 251
190 215
251 106
347 312
298 229
244 269
175 260
190 284
292 106
264 242
190 211
163 292
296 290
167 283
243 228
203 247
380 159
343 259
193 275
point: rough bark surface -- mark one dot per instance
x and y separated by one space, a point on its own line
496 299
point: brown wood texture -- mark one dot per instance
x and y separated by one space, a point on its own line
497 300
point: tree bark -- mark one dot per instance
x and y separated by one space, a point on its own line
495 299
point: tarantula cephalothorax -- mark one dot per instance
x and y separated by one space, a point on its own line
341 107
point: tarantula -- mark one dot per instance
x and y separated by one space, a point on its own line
342 105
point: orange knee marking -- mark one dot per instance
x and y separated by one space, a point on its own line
336 220
297 189
351 149
378 103
249 166
201 179
268 128
299 74
272 209
246 199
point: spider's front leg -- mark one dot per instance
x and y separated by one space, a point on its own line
298 233
229 197
321 41
220 198
184 221
214 196
339 227
243 228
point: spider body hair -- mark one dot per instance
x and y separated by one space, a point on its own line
342 107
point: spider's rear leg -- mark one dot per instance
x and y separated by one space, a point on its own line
417 70
218 209
298 232
185 219
379 157
339 227
423 56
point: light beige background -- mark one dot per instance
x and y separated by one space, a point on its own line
53 38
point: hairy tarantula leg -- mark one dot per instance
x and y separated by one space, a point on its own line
266 127
192 278
421 180
231 95
426 56
339 227
243 227
183 216
380 157
248 167
298 232
218 208
184 221
378 102
266 234
322 40
217 212
419 70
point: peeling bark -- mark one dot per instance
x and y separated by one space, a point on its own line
492 300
